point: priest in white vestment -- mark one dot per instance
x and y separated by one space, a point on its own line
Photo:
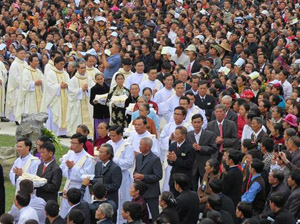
25 163
165 93
13 84
125 70
3 80
124 158
30 95
76 163
80 111
91 71
138 77
55 98
167 137
50 65
154 84
166 108
188 103
141 132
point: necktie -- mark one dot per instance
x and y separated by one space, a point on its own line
178 148
44 168
221 135
189 70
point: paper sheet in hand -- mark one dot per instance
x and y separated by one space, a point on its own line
91 176
168 50
224 69
101 97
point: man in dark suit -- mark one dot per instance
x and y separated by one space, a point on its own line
205 101
204 144
52 210
293 202
148 168
230 114
74 199
165 68
187 200
194 80
181 157
51 171
194 65
233 178
147 56
225 130
258 133
108 172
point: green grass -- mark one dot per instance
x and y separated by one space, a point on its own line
9 188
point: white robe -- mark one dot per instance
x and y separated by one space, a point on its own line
166 109
162 95
3 78
51 101
27 213
13 87
156 84
135 78
20 163
125 161
49 66
91 72
76 96
75 174
135 139
192 111
28 99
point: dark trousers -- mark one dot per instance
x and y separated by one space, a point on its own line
196 177
153 207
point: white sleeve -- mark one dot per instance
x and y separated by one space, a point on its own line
87 168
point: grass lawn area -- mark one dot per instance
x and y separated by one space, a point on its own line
9 188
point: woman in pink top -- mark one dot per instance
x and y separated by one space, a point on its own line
241 121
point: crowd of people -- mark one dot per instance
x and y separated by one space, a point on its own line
179 111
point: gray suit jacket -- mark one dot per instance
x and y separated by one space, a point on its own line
208 145
231 115
229 132
152 169
293 203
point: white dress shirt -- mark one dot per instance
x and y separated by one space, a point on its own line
26 214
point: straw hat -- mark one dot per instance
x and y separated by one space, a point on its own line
225 46
72 27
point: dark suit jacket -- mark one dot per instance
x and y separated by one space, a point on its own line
208 145
187 86
284 216
58 220
112 179
172 214
293 203
148 60
84 208
232 184
208 104
260 137
228 206
231 115
151 168
188 207
196 66
53 174
94 206
229 132
184 162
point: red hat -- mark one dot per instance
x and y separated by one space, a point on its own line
291 120
275 85
248 94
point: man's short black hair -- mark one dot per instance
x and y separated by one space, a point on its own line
278 199
76 216
52 208
215 202
235 156
49 147
182 180
216 185
134 209
26 141
268 143
117 128
257 165
295 175
74 195
99 190
26 186
81 138
196 116
23 198
245 208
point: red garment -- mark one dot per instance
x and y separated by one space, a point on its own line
278 140
99 141
142 202
88 146
240 125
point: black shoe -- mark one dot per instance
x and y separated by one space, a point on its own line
4 119
63 136
17 123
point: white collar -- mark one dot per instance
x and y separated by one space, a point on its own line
220 122
178 145
105 164
26 157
